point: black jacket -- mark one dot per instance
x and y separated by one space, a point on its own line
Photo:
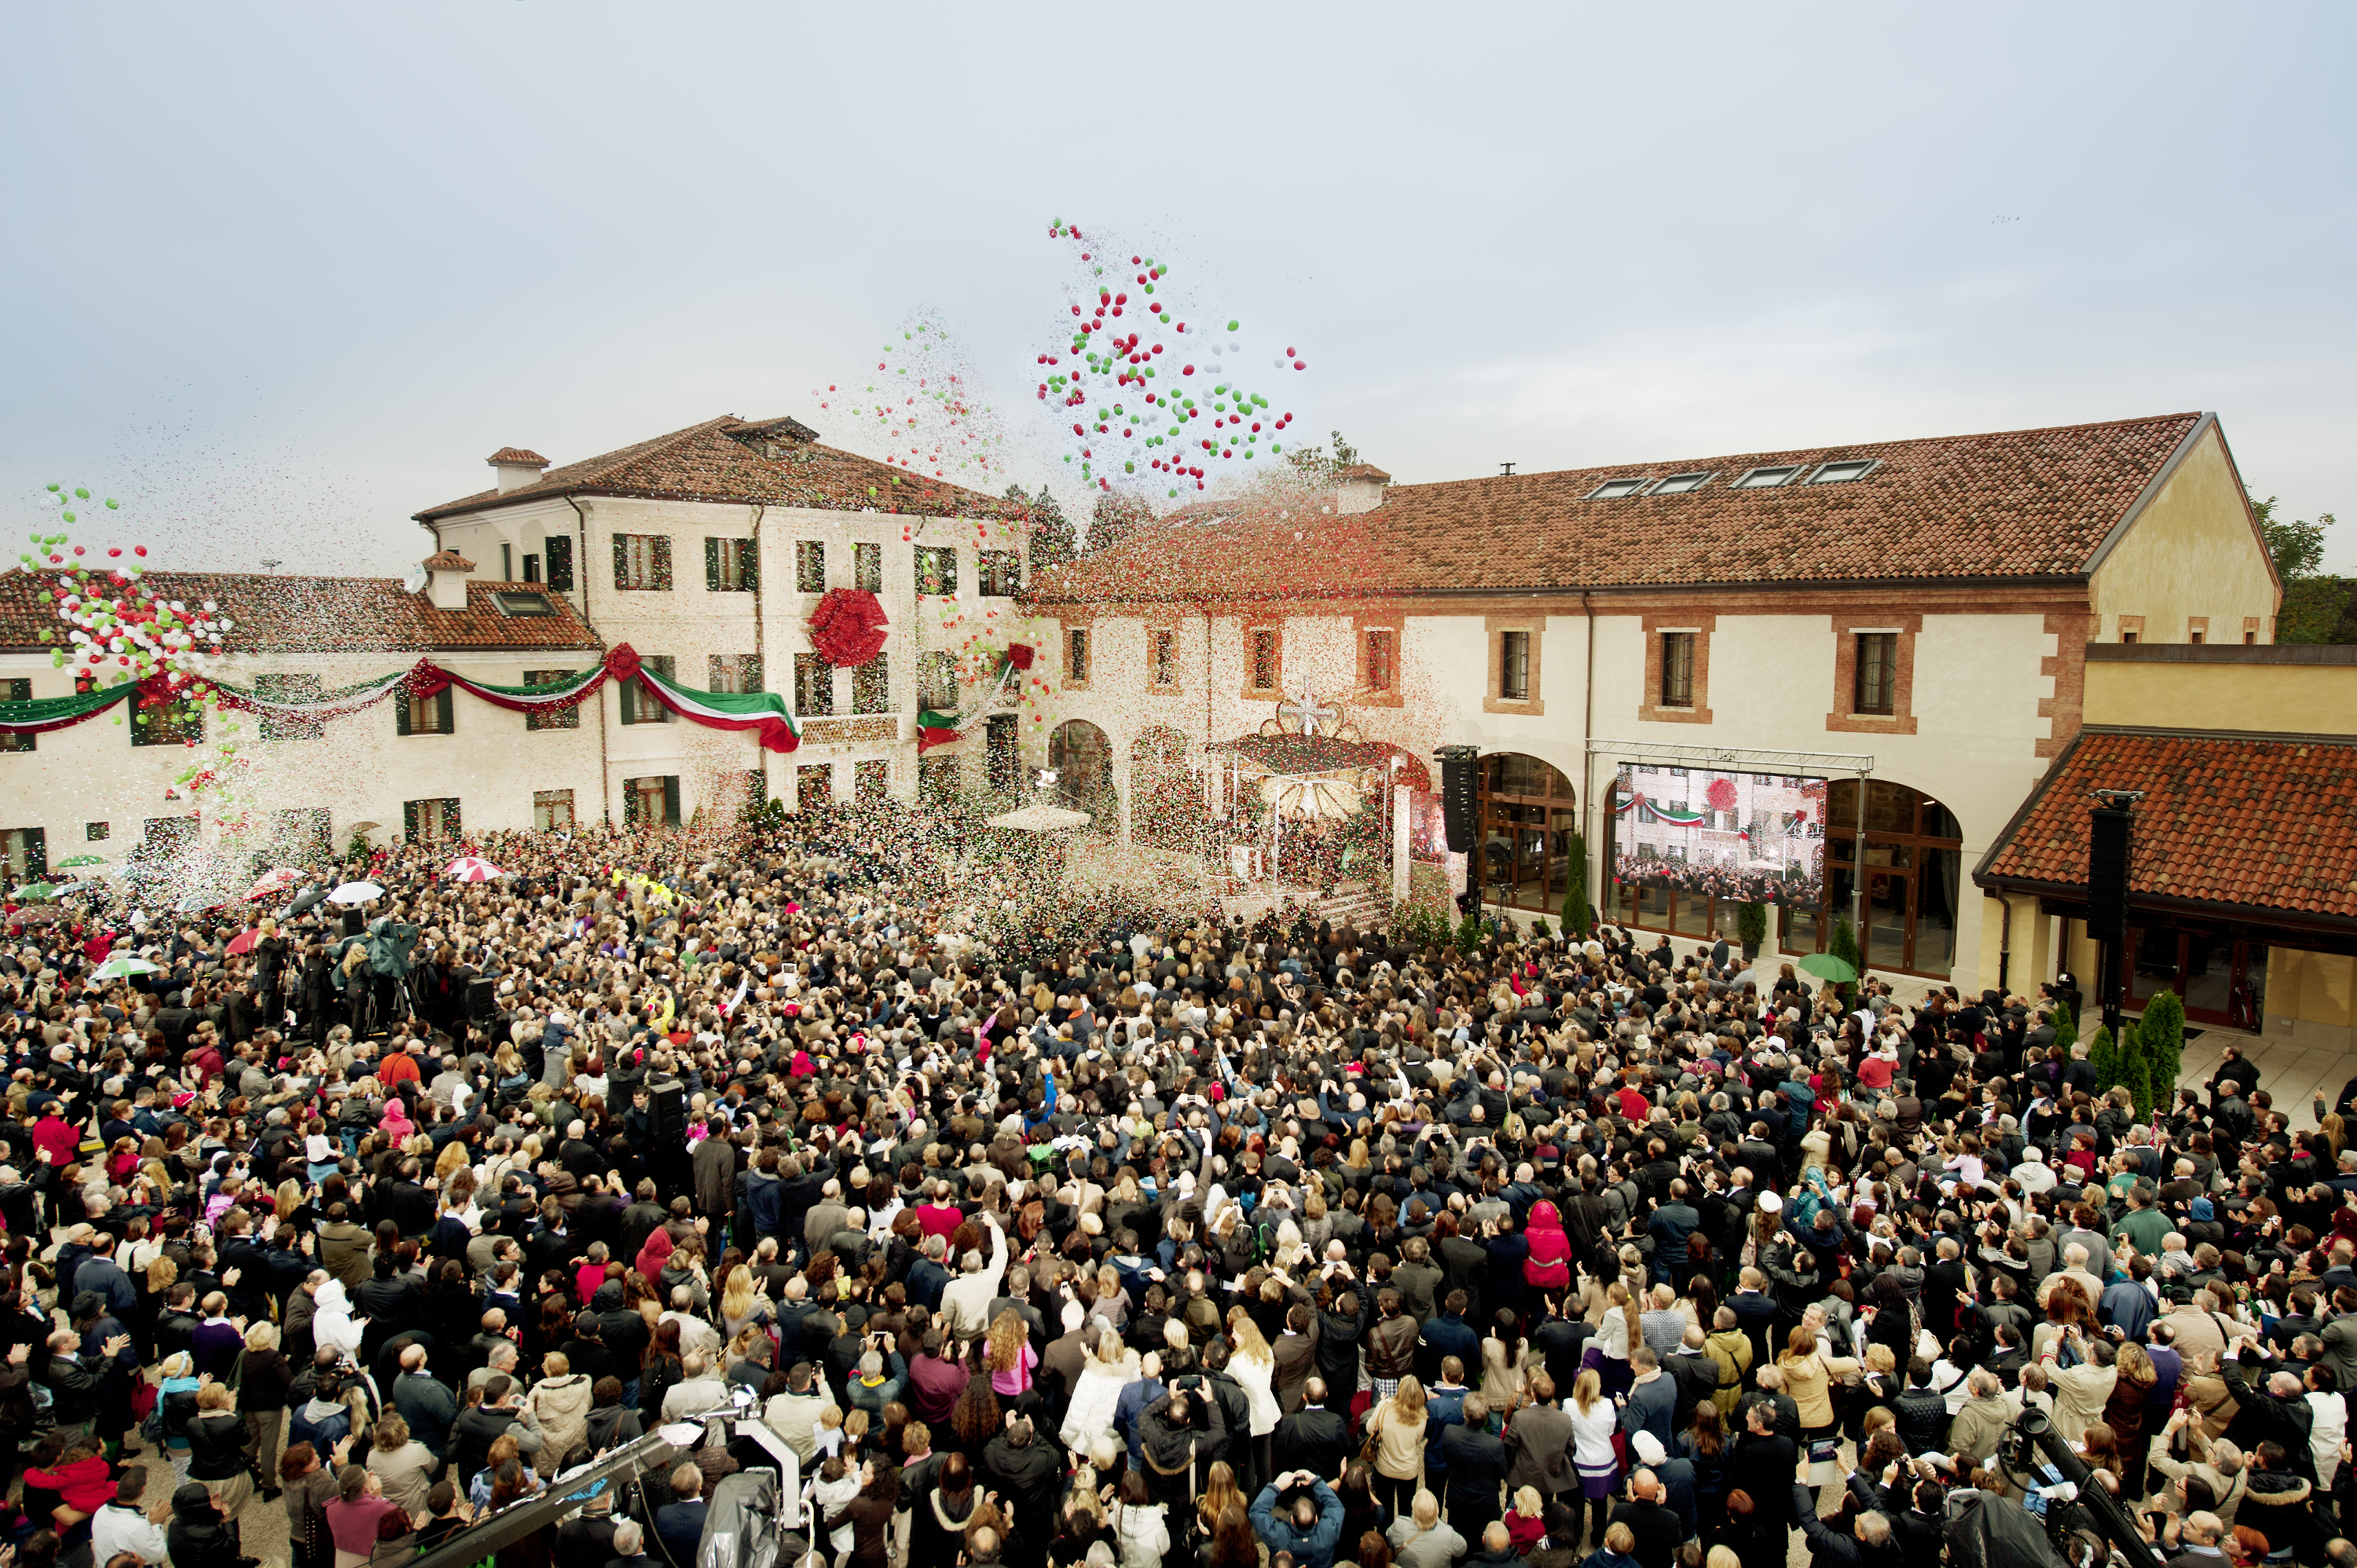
1922 1417
197 1536
216 1445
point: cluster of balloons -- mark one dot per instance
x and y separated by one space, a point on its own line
116 629
1151 395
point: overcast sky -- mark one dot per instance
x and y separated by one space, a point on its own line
280 276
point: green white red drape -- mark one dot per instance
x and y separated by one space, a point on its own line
936 728
1651 810
764 714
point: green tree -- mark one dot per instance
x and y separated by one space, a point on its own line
1468 935
2136 1069
2163 1029
1114 518
1052 542
2066 1027
1751 925
1314 464
2313 603
2104 1056
1578 917
1843 945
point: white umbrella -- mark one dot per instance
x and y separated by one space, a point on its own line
356 893
121 968
471 868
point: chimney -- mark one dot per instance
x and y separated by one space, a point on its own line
446 579
517 467
1360 488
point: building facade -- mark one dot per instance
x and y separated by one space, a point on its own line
1894 633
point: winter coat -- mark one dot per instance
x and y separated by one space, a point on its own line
1144 1532
1548 1267
1809 1379
1731 1348
561 1405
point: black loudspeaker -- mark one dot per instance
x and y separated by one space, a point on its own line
1460 812
2107 873
667 1111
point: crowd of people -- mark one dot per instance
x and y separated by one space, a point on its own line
1142 1238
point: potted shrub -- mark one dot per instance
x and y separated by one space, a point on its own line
1751 929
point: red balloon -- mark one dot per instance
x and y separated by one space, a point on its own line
1187 371
1288 353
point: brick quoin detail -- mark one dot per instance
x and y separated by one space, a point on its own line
2067 665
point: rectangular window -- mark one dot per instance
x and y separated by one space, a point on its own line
174 723
731 566
531 567
1165 656
867 567
1076 653
27 851
436 715
814 686
554 719
642 562
1514 666
737 672
287 689
1876 687
651 801
813 785
552 809
17 692
560 562
1382 668
430 821
1263 672
937 569
871 686
638 705
1002 573
937 682
1677 668
871 781
507 562
809 566
939 778
97 833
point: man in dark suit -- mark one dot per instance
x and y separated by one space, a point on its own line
1477 1467
681 1524
1653 1522
1762 1464
1538 1444
1296 1357
1315 1438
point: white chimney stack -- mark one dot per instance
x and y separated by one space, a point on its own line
516 467
1360 488
446 586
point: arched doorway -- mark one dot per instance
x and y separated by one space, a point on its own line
1081 758
1528 817
1166 799
1912 875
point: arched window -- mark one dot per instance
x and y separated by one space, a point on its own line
1529 816
1912 873
1165 796
1081 758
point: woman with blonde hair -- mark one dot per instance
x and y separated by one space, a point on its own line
1110 1368
1011 1356
1593 1422
1809 1375
740 1306
1397 1426
1615 1338
1253 1364
1219 1490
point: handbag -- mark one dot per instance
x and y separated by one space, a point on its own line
1373 1443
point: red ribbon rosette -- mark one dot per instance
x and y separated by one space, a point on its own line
847 630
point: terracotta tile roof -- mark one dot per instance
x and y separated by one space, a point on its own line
2021 503
2261 822
1365 471
726 460
517 454
447 560
324 615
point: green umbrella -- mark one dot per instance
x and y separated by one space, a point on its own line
81 860
122 968
38 890
1824 966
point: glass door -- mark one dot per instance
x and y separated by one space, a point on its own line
1890 917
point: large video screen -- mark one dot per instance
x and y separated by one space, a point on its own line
1751 837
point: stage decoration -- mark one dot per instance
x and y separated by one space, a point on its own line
937 728
848 628
1305 715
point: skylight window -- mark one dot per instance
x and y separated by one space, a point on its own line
1613 490
1679 484
525 605
1766 479
1843 472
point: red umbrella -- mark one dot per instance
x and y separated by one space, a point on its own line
243 941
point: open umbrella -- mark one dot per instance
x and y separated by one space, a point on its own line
1824 966
72 888
38 890
243 941
276 880
81 860
121 967
471 868
197 903
356 893
309 899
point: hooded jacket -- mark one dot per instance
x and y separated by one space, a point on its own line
197 1537
561 1405
332 1322
1549 1265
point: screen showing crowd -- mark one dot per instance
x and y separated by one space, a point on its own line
1750 837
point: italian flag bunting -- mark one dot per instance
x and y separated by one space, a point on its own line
936 728
47 713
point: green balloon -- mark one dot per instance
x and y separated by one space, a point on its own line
1233 325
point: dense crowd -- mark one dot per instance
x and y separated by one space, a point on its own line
1137 1237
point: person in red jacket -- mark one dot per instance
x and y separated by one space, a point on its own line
81 1478
1548 1268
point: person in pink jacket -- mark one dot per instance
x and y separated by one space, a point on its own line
1548 1268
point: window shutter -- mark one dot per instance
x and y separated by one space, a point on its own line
629 694
36 854
755 680
621 561
453 827
711 566
663 561
749 566
670 800
409 819
559 562
400 715
445 720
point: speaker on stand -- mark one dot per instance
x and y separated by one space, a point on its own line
1460 815
666 1158
2110 832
